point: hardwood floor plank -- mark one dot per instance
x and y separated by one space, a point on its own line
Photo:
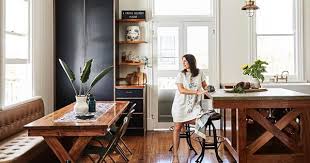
154 148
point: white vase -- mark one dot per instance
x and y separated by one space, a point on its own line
255 83
132 33
81 106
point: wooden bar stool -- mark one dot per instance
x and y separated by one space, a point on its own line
207 145
187 135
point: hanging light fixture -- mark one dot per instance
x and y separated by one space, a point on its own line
250 7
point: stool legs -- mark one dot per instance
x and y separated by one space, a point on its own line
213 145
187 135
188 140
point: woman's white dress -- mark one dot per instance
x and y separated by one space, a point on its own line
187 107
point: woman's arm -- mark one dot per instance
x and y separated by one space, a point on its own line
183 90
204 85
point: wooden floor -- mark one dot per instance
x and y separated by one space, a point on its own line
154 148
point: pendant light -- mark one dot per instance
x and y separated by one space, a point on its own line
250 7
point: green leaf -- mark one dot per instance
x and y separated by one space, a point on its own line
69 74
67 70
99 77
86 71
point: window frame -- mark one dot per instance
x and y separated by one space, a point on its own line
214 4
298 42
19 61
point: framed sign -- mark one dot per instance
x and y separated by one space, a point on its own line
133 14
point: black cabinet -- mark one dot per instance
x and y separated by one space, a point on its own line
137 124
69 43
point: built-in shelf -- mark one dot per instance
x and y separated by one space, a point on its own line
132 42
130 20
132 64
125 86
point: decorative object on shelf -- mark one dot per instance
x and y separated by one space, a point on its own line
250 7
124 57
133 14
256 72
80 108
136 78
132 33
145 60
91 103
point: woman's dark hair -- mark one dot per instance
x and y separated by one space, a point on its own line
192 64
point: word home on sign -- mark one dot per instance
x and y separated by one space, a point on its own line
130 14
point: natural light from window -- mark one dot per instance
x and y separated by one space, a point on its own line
183 7
198 44
276 35
168 48
18 76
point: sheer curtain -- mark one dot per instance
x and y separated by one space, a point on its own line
43 52
1 59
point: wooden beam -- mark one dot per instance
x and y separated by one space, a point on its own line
305 119
263 139
242 135
289 142
78 146
232 151
58 149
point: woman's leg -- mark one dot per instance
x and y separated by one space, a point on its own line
176 141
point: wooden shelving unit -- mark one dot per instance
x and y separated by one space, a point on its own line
131 64
133 93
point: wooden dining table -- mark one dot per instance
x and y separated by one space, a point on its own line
284 139
81 132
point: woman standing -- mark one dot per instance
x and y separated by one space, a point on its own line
186 106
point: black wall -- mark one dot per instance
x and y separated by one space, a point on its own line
69 30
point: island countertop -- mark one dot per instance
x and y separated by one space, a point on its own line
246 143
270 94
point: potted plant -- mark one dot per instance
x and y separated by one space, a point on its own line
255 70
81 107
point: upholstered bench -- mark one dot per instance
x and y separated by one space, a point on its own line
15 144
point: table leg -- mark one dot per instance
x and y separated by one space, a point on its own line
78 146
58 149
242 136
75 151
305 121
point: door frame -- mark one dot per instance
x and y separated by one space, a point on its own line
212 65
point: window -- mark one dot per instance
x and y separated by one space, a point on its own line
17 58
168 47
278 35
183 7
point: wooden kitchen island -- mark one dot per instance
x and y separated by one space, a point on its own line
286 139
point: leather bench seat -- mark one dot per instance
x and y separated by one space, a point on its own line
20 148
15 144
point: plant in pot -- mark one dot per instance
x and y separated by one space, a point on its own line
256 71
81 107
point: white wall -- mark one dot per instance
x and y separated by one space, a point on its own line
43 53
234 42
307 39
1 59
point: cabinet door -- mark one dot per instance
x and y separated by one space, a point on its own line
100 45
69 17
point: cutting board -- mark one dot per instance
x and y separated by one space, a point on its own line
136 78
247 90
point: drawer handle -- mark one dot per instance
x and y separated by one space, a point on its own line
129 92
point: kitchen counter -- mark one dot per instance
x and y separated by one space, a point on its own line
238 109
